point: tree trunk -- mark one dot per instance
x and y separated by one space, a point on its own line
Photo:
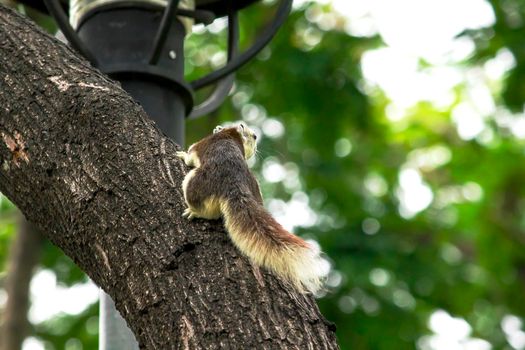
81 159
23 257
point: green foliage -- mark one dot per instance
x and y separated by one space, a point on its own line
463 254
343 158
71 331
7 229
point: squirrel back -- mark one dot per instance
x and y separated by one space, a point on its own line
221 184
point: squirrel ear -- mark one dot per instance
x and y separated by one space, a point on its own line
241 128
217 129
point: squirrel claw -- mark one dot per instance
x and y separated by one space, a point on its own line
188 213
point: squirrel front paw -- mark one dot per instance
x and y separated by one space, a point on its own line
189 214
181 154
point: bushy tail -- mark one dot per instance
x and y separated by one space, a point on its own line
256 233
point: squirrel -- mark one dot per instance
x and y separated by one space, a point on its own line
221 185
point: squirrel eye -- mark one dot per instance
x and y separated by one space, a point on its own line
254 137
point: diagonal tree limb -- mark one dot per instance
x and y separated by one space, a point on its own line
83 162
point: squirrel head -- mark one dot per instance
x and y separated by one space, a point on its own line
248 137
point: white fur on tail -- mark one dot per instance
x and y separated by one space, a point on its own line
298 263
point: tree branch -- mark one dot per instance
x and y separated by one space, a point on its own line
81 159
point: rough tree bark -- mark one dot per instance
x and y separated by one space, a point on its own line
80 158
23 257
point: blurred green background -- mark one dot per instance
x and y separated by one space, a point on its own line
392 134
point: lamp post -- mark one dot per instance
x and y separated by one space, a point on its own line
140 43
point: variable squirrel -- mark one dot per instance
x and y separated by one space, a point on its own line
221 184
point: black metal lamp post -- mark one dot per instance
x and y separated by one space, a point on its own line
140 44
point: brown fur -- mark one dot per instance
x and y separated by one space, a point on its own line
222 184
223 168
